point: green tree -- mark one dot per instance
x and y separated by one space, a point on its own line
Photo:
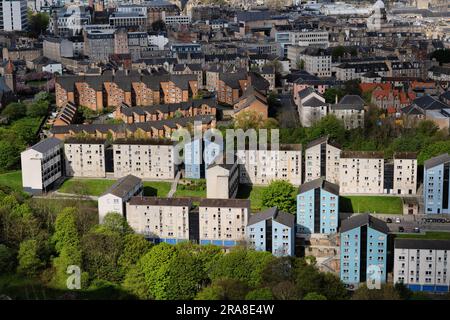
242 264
28 258
224 289
328 125
387 292
66 233
38 22
7 259
314 296
260 294
432 150
280 194
38 109
9 155
135 284
331 93
134 247
15 111
115 222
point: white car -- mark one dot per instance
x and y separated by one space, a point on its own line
397 220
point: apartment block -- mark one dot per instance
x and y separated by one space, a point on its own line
322 158
400 174
160 219
318 207
361 172
263 166
223 221
364 250
222 178
115 198
42 165
422 265
316 61
273 231
311 106
144 158
198 154
85 157
436 184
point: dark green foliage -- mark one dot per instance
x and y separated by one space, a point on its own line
280 194
15 111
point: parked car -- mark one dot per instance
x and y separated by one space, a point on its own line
388 220
417 229
401 229
397 220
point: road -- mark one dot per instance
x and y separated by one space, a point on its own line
287 114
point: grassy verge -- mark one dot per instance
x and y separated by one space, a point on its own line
12 179
372 204
430 235
92 187
156 188
254 194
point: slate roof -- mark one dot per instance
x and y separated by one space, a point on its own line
284 218
422 244
122 186
435 161
157 201
324 139
359 220
314 102
225 203
362 154
46 144
319 183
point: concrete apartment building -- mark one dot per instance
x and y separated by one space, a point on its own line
146 158
316 61
361 172
273 231
85 157
318 207
364 250
311 106
421 265
42 165
160 219
222 179
223 221
322 158
260 167
14 15
436 184
400 174
115 198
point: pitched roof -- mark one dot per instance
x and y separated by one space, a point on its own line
319 183
435 161
323 139
46 144
362 154
422 244
284 218
359 220
225 203
122 186
157 201
314 102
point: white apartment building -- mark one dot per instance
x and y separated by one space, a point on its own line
176 20
311 106
223 221
322 160
41 165
222 179
14 14
160 219
85 157
361 172
422 265
260 167
146 159
405 173
303 38
70 20
114 199
316 61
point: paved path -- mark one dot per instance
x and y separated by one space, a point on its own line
173 188
62 195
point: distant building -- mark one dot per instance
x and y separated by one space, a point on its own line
42 165
421 264
273 231
311 106
114 199
364 250
350 110
316 61
318 207
322 158
436 184
85 157
160 219
14 15
223 221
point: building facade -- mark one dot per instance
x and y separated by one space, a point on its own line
436 184
85 157
322 160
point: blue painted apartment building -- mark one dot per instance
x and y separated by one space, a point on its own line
199 154
272 230
436 184
318 207
364 250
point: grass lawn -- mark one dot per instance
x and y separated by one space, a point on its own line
95 187
92 187
372 204
190 193
12 179
254 194
435 235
